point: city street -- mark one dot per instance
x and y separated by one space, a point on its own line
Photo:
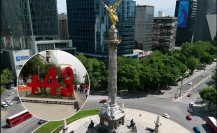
24 127
160 104
157 104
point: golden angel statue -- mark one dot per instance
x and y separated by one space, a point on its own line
112 12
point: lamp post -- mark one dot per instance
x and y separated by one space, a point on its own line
181 87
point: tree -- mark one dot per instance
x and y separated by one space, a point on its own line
209 94
97 72
6 76
192 64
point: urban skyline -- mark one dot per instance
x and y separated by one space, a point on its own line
169 9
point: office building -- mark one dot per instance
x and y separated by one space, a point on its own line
202 31
63 26
87 26
144 27
24 24
186 15
126 25
89 22
164 32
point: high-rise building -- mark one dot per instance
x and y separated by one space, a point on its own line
63 26
126 25
144 27
164 32
26 21
29 26
186 13
88 24
202 31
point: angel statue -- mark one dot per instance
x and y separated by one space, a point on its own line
112 12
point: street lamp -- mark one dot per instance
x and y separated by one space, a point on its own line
181 87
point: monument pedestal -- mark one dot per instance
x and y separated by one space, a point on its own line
112 117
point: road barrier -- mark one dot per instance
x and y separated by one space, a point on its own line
48 101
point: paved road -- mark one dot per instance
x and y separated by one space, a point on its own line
160 104
24 127
157 104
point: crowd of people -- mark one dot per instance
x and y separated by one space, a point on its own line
83 89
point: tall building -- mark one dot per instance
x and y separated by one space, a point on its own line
186 13
144 27
28 26
126 25
63 26
88 24
164 32
27 21
204 8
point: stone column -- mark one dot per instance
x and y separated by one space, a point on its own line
112 43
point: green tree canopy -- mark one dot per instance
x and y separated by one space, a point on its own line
209 94
6 76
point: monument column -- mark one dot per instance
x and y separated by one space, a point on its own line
112 43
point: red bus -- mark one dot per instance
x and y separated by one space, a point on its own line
211 122
18 118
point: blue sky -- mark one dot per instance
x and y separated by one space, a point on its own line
167 6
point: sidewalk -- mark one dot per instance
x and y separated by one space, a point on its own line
141 118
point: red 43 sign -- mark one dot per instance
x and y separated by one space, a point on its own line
51 82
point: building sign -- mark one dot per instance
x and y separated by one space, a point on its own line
183 13
19 58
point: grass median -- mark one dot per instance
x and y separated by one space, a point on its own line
56 126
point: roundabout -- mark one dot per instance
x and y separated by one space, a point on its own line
143 120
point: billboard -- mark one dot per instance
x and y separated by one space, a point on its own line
183 13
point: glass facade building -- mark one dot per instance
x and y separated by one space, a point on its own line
88 24
144 27
187 15
23 21
126 25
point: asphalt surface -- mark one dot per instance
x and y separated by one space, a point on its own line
25 127
160 104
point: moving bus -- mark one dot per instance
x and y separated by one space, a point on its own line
18 118
211 122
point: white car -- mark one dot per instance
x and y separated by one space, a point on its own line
190 83
191 104
9 102
166 115
4 104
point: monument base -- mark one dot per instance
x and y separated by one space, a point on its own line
104 129
112 121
